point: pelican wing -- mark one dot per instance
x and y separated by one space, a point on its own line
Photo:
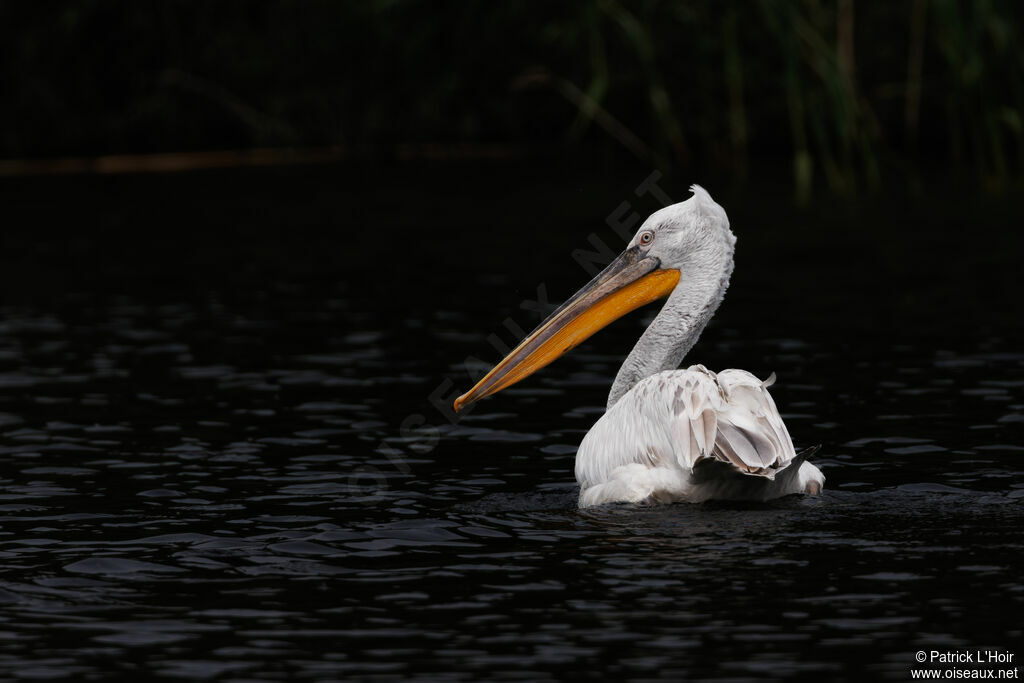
729 417
695 403
751 434
686 419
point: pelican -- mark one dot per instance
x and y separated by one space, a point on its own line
667 434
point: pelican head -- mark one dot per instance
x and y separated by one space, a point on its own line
673 243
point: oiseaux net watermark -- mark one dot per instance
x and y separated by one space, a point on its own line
980 664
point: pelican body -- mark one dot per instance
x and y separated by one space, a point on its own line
668 434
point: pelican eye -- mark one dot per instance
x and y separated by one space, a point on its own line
646 237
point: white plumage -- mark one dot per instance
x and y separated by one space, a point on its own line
691 435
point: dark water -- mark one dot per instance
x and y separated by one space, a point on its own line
221 458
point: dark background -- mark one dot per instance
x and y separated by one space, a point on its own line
889 132
243 243
841 95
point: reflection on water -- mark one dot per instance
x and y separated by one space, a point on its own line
259 487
